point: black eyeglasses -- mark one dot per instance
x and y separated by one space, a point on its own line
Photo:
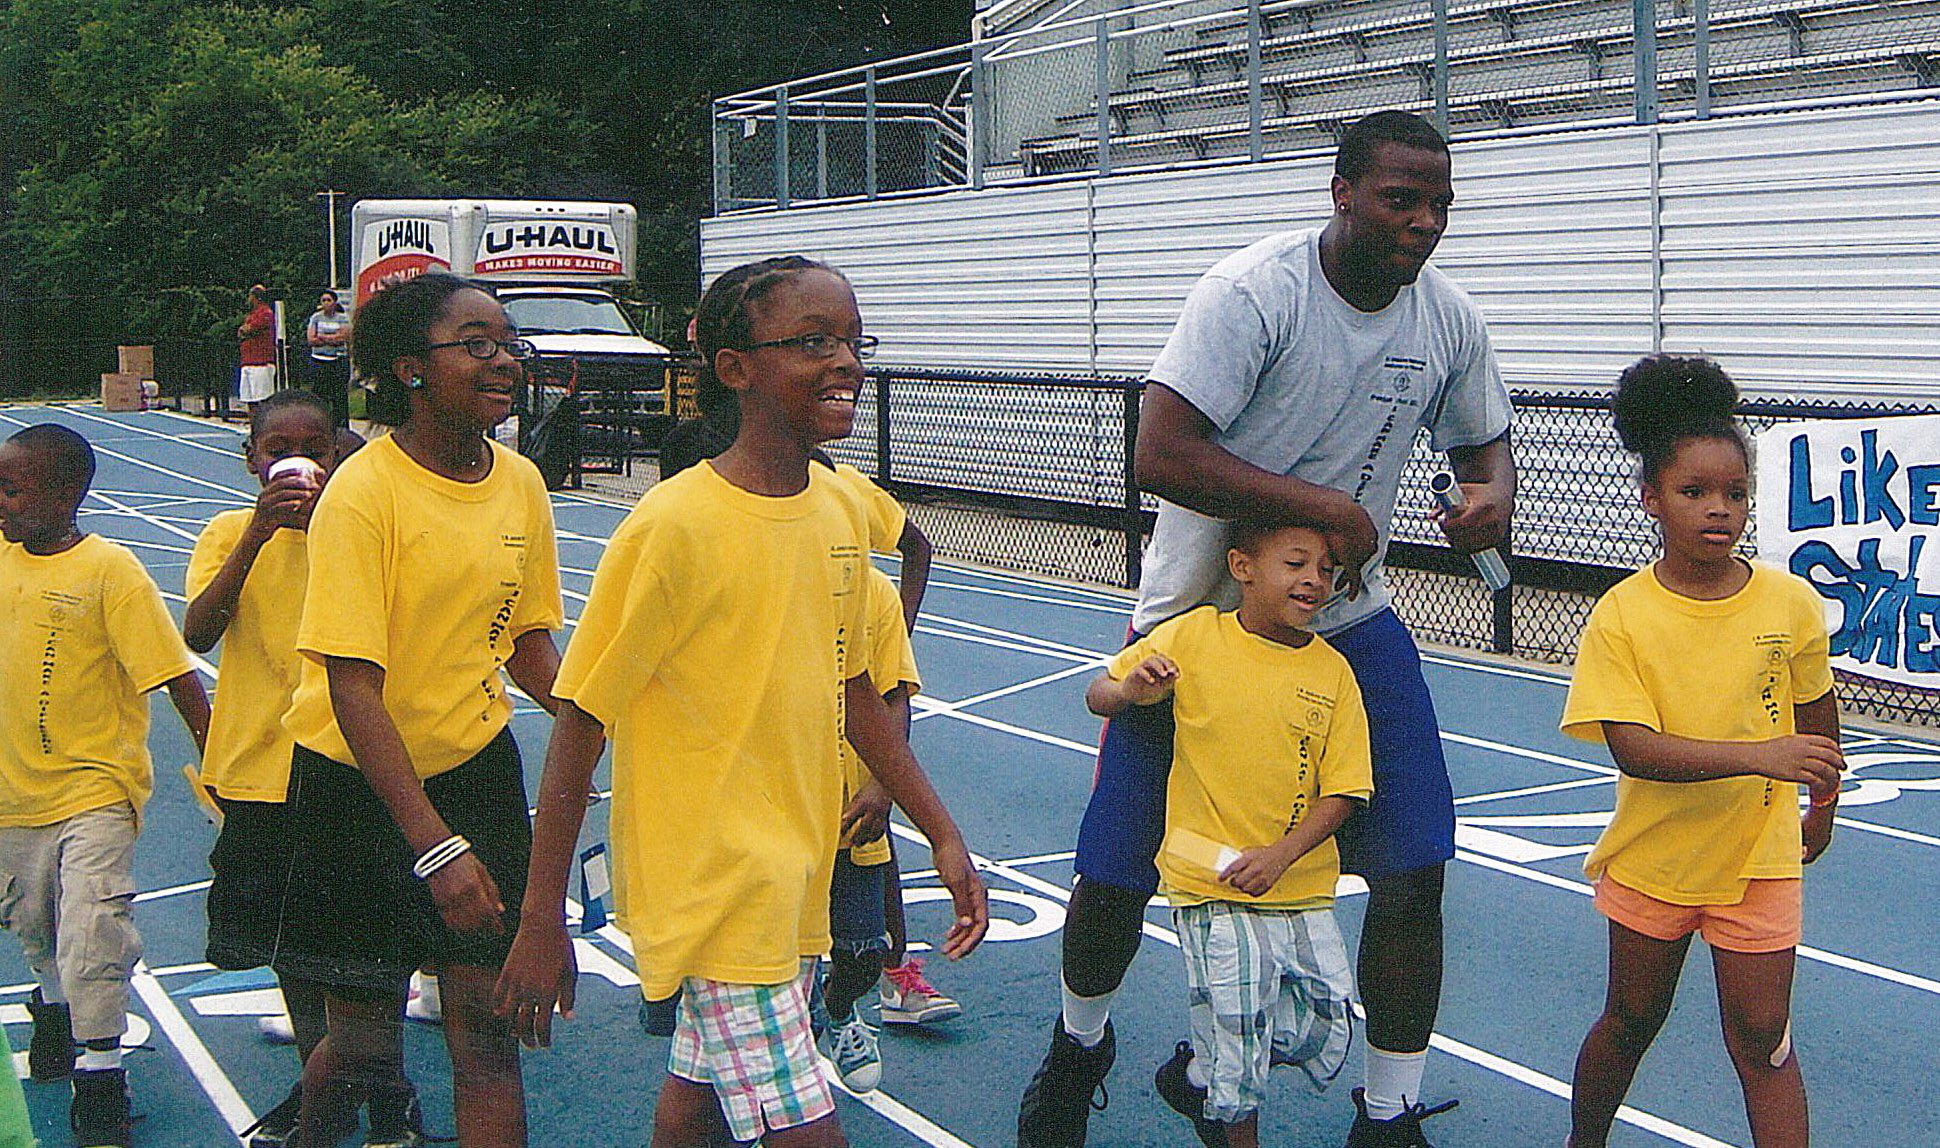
823 346
482 347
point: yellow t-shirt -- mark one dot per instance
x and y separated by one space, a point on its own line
886 515
248 754
892 663
1263 731
713 647
1728 670
83 635
431 579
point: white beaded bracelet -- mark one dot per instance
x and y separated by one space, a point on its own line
440 855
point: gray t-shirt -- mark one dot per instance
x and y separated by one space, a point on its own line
1299 382
322 324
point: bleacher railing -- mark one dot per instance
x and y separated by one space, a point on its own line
1105 85
1033 473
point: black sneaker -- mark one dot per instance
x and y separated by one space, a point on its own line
277 1127
1057 1103
396 1121
101 1114
1186 1098
50 1056
1404 1131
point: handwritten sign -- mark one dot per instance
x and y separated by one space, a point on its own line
1853 507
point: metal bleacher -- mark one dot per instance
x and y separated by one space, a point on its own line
1509 63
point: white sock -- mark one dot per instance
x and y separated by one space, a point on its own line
1196 1074
1393 1081
97 1059
426 986
1085 1017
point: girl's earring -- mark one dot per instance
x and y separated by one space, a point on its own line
417 382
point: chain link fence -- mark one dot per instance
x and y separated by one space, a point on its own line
1031 472
60 346
1108 85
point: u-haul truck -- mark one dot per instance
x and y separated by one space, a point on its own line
550 263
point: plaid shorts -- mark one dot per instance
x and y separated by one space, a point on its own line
1268 986
751 1044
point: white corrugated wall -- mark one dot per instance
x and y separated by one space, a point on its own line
1802 249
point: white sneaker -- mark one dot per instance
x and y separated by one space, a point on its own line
857 1056
909 998
424 1004
277 1029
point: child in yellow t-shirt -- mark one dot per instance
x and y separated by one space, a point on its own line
1270 756
245 584
719 644
908 998
858 922
83 636
1707 835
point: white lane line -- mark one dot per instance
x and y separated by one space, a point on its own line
1520 1073
1019 596
1533 790
1809 952
1038 859
235 1112
999 643
228 452
1886 831
172 891
1531 754
921 703
1045 643
184 970
1030 683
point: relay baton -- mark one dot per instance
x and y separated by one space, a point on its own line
1488 563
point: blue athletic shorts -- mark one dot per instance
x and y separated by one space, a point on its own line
1409 824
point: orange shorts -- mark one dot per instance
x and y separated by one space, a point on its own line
1770 918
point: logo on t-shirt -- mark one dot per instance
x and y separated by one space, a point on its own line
845 556
1772 676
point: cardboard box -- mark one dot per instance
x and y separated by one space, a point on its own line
120 391
137 361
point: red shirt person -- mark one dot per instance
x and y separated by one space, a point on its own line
258 338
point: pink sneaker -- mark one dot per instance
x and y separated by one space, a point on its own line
908 998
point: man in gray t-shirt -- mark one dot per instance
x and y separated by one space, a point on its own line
1291 390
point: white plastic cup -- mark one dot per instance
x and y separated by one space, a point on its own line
304 469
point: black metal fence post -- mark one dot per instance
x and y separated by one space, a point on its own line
1502 606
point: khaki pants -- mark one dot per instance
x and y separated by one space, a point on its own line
67 890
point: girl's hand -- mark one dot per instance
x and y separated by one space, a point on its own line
967 897
1816 829
467 897
1257 870
541 971
1150 681
867 816
284 502
1806 758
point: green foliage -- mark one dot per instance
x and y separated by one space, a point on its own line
162 155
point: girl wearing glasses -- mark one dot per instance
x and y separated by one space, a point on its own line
433 576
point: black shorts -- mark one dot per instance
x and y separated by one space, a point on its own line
251 861
353 915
